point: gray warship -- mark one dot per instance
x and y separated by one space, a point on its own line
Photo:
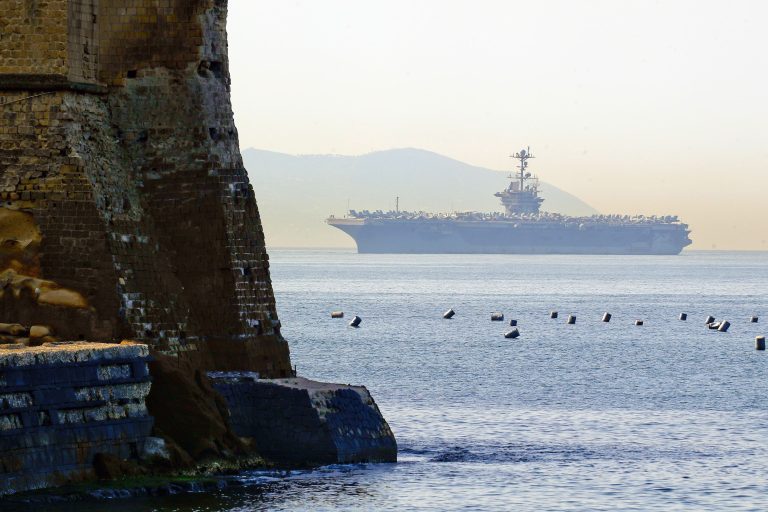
521 229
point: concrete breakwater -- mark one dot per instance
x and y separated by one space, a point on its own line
61 404
300 421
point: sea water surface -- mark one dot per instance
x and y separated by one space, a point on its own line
591 416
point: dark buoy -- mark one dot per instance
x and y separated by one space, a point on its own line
724 325
553 314
709 319
607 317
713 325
497 317
337 314
753 319
512 323
683 316
514 333
355 321
638 322
449 314
571 319
760 343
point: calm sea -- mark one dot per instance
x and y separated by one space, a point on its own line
591 416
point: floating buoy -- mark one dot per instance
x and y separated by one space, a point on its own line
607 317
514 333
337 314
760 343
709 320
683 316
753 319
713 325
449 314
497 317
355 321
512 323
571 319
553 314
724 325
638 322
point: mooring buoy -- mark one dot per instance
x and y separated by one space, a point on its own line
514 333
449 314
571 319
753 319
497 317
355 321
759 342
724 325
607 317
553 314
713 325
683 316
337 314
709 320
638 322
512 323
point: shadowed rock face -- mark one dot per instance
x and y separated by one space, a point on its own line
125 209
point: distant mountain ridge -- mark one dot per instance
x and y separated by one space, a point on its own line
297 192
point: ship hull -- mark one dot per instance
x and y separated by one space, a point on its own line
502 237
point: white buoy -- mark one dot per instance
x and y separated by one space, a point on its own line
724 325
449 314
512 323
607 317
571 319
337 314
514 333
355 321
553 314
759 342
683 316
497 317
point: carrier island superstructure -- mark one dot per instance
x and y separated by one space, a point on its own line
521 229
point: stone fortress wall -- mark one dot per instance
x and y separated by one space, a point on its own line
119 152
126 213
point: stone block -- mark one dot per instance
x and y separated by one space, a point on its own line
299 421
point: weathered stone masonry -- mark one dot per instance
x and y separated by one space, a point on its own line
61 404
117 141
126 213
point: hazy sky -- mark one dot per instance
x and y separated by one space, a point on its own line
635 107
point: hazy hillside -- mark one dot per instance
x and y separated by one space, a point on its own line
296 193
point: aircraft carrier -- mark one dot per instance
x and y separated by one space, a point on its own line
521 229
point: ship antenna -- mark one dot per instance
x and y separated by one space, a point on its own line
523 157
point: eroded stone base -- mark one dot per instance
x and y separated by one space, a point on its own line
300 421
61 404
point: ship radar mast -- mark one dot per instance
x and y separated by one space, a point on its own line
521 196
522 156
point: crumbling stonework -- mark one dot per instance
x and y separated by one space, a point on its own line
119 152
